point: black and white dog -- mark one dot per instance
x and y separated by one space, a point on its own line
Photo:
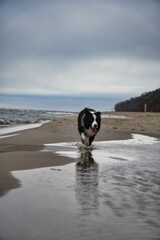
89 123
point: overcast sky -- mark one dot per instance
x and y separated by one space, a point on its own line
63 47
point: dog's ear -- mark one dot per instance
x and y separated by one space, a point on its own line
98 113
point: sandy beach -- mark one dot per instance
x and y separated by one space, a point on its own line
23 151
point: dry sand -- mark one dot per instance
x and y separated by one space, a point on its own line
24 150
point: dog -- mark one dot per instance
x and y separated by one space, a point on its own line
89 123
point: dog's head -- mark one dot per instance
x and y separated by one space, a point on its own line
91 121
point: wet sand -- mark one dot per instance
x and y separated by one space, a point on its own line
23 151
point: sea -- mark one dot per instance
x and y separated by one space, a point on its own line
59 103
28 116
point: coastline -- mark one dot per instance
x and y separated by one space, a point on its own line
23 151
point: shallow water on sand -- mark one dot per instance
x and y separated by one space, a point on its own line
111 191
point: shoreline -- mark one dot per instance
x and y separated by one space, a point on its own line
23 151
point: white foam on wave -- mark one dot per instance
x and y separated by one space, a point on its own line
135 140
102 150
10 135
113 116
7 130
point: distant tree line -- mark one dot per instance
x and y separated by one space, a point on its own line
149 102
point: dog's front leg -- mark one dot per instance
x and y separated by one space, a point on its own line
85 139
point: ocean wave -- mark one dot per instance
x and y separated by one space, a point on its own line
25 116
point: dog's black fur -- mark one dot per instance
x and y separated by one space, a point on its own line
89 123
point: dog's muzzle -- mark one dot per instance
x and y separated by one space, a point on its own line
94 130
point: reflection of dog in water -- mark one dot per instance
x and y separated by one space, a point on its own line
86 160
87 182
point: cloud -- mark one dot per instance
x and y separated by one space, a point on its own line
79 47
73 28
81 77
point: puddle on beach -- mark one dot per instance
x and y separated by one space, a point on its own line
111 191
